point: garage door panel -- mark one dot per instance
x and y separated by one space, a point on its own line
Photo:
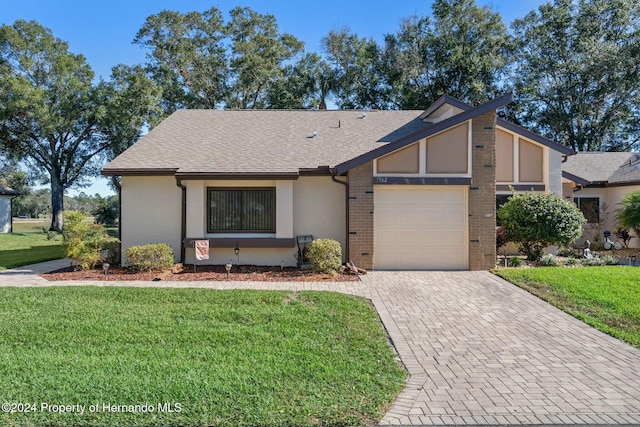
420 227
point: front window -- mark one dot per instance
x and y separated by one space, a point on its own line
241 210
590 208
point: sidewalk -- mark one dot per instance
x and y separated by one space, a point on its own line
28 275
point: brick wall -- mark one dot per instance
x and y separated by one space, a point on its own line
482 194
361 215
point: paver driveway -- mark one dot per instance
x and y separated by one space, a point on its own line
479 350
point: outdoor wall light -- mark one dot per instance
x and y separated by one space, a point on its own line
237 251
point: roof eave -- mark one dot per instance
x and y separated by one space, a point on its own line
139 171
575 178
534 136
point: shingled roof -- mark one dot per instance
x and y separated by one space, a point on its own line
598 168
261 141
6 191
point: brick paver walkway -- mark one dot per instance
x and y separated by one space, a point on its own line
479 350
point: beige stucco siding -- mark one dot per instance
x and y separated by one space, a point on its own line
406 160
309 205
504 156
5 214
531 162
319 209
448 152
612 197
151 212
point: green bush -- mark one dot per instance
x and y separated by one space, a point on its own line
516 262
573 261
84 241
566 252
153 257
610 260
325 255
536 220
593 262
629 215
548 260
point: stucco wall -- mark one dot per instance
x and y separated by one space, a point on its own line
611 196
151 212
309 205
5 214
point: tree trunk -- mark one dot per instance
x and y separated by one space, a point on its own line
57 203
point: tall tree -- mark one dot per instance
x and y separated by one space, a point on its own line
53 116
577 75
201 61
258 56
187 57
356 62
463 52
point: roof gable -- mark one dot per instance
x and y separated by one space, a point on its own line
432 129
6 191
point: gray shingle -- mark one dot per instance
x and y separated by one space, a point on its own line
263 141
614 168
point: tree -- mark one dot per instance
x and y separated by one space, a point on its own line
53 117
629 215
577 74
258 54
200 61
537 220
463 52
357 74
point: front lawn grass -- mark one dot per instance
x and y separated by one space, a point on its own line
224 358
17 249
607 298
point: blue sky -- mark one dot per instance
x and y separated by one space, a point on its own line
103 31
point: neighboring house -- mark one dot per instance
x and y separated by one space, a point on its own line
6 197
597 182
397 189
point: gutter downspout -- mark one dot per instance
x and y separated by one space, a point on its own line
346 205
183 220
116 183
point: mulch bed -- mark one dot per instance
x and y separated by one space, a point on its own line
203 273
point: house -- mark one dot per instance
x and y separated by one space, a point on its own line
597 182
6 198
397 189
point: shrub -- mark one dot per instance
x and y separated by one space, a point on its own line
537 220
573 261
629 215
566 252
610 260
623 234
325 256
593 262
84 241
153 257
516 262
548 260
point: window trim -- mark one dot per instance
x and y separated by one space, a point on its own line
272 230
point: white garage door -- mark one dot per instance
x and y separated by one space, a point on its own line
420 227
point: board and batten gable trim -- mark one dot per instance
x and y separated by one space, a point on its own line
431 130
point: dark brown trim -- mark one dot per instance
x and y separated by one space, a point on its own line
521 187
252 243
399 180
575 178
238 176
534 136
424 133
444 99
116 183
319 171
183 216
140 172
346 255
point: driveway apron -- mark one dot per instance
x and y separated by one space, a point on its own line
478 349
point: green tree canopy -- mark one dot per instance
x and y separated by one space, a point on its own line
53 116
201 61
577 75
